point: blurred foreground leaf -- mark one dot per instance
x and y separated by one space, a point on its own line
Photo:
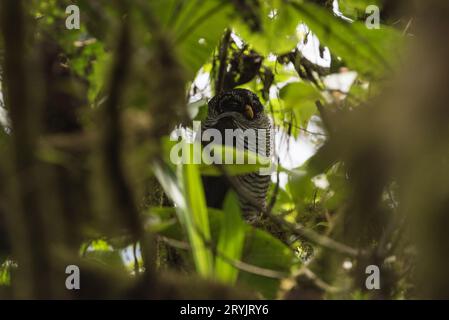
230 240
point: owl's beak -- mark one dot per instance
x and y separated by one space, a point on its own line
249 113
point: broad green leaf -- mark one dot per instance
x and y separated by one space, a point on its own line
159 219
301 187
5 272
356 8
163 222
170 184
301 98
260 249
196 27
278 28
100 69
265 251
106 258
100 245
235 161
102 252
197 218
188 196
371 52
230 240
284 201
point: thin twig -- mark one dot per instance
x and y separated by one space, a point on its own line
222 57
304 130
243 266
395 225
136 261
407 27
318 281
296 228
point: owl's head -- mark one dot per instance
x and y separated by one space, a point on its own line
234 101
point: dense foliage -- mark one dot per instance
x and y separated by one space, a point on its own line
86 177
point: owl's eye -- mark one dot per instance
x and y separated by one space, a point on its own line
249 112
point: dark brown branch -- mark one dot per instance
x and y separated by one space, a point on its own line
222 58
25 224
113 140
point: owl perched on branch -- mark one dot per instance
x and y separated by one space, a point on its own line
240 109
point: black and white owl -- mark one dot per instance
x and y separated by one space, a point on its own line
240 109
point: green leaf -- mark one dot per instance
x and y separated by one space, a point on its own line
301 98
260 249
265 251
196 27
301 187
356 8
100 245
284 202
278 28
234 161
230 241
371 52
192 211
106 258
5 272
159 219
100 69
197 218
102 252
162 222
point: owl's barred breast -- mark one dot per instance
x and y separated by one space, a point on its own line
227 111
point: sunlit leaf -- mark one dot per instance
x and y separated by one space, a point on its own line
265 251
356 8
301 187
230 241
196 27
278 28
102 252
371 52
261 249
197 220
300 97
192 211
234 161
